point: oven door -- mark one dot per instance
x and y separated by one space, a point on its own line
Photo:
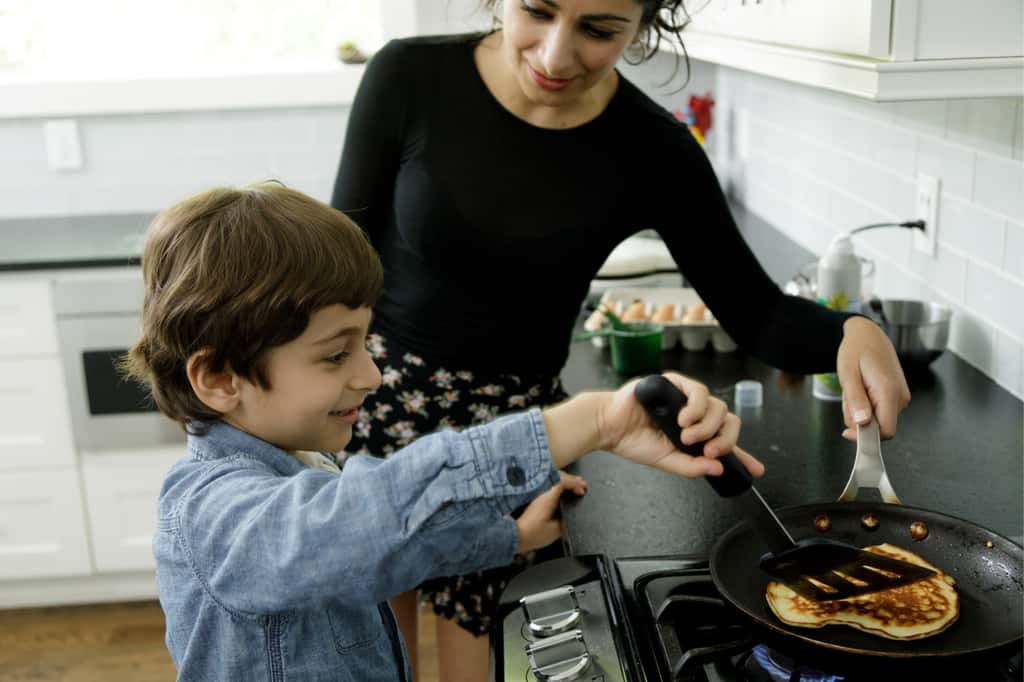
108 412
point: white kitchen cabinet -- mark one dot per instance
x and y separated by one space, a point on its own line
27 324
42 527
883 50
855 27
121 491
35 428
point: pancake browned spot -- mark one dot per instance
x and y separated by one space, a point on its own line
921 609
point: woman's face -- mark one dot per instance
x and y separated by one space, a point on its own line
559 49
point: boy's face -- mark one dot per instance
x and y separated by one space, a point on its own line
318 381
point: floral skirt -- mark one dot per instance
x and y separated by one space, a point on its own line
415 399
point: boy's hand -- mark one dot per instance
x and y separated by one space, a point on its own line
626 430
537 525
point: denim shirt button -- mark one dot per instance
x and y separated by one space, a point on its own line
516 476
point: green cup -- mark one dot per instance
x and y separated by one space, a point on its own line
636 348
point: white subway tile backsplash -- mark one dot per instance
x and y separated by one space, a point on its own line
155 136
20 199
1008 365
887 146
767 202
999 185
897 282
971 229
286 130
1018 136
848 211
22 143
947 272
141 163
952 163
928 117
791 184
994 296
972 339
891 192
298 171
985 124
859 159
321 187
1013 259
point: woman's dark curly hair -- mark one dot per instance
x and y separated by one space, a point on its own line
661 20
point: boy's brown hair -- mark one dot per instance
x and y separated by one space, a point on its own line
235 272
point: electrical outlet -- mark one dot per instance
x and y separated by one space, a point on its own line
63 145
927 209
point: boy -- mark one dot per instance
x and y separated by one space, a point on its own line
272 562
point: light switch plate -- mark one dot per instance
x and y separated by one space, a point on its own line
63 144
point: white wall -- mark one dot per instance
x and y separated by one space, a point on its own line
814 163
450 16
142 163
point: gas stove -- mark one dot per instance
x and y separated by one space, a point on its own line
657 619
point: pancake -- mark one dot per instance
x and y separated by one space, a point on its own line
914 611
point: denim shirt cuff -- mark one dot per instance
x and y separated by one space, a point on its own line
514 456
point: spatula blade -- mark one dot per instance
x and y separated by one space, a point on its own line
823 570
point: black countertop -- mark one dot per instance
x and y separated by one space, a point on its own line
958 449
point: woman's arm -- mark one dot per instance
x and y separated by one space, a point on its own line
787 332
697 226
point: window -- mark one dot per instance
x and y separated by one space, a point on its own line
154 35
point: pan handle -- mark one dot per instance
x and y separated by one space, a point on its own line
662 401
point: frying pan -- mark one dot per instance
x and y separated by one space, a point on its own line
988 580
987 567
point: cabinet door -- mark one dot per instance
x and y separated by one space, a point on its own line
27 325
35 429
42 525
121 493
952 29
853 27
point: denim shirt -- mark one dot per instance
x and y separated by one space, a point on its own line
269 570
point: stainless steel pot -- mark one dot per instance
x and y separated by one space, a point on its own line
919 330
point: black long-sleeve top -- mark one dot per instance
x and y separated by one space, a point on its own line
491 229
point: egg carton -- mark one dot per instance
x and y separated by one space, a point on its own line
694 335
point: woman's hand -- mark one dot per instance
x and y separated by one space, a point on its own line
626 430
537 525
871 376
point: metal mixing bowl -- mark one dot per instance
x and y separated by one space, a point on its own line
918 330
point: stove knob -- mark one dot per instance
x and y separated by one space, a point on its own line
559 658
551 612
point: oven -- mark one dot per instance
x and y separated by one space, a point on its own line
97 321
661 619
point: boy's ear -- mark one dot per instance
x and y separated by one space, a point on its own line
217 390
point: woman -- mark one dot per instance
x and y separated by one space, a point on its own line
495 173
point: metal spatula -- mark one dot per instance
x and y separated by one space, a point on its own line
869 467
814 568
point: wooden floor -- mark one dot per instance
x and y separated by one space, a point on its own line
111 643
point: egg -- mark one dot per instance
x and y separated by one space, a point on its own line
596 320
666 312
696 313
636 312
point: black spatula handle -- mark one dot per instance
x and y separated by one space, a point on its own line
663 400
